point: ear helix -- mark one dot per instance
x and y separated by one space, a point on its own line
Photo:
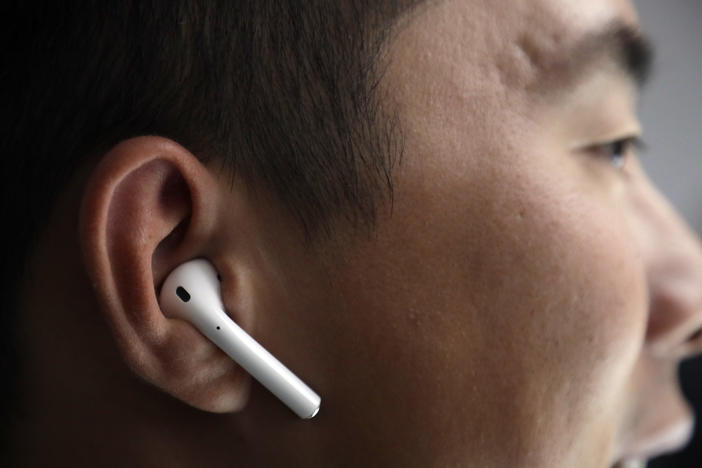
192 293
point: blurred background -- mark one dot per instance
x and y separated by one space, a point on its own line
671 113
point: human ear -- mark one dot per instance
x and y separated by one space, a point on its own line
148 206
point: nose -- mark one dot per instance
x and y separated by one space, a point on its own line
673 258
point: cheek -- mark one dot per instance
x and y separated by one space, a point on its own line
581 317
570 291
505 308
558 293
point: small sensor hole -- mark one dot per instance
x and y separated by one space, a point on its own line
182 294
217 328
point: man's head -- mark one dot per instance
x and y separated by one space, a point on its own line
524 293
279 95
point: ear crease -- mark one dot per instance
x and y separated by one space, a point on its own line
149 204
154 197
219 386
192 369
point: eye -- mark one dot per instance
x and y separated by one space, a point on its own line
618 151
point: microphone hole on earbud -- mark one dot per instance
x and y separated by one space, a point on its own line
217 328
182 294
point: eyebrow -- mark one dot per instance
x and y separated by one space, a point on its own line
630 50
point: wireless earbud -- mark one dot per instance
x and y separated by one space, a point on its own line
192 293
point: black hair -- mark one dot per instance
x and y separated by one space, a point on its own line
284 93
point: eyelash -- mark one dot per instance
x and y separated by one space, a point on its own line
618 151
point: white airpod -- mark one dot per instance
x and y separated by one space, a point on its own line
191 292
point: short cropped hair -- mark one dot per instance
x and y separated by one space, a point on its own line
283 93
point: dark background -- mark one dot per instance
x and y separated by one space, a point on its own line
671 113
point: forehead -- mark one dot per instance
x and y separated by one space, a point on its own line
459 67
503 42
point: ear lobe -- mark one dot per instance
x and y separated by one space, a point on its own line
149 206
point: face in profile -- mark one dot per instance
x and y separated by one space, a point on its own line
524 301
529 299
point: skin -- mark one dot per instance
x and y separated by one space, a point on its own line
523 305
